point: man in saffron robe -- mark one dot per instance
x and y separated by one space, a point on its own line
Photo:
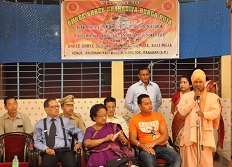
198 105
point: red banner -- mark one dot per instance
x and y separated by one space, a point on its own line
142 29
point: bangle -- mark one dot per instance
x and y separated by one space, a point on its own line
97 141
138 144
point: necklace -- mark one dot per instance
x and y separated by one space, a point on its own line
97 127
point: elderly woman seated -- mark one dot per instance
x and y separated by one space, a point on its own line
103 139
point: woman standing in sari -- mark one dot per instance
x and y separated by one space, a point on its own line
100 138
219 134
178 120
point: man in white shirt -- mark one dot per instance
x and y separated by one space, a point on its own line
144 86
110 104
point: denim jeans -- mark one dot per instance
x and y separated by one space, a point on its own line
168 154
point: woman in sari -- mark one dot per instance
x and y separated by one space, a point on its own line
103 139
219 134
178 120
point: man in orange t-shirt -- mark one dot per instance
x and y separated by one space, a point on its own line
148 131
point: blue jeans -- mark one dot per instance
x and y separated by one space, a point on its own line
168 154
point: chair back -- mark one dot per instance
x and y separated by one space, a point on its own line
15 143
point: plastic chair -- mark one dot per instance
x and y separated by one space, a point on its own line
17 143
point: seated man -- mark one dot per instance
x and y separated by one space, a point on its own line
13 120
67 105
148 131
110 104
52 136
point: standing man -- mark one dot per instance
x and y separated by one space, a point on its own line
110 104
144 86
67 105
52 136
13 120
204 106
148 131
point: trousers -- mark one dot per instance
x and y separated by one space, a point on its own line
64 155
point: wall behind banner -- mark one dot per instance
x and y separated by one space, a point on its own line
31 32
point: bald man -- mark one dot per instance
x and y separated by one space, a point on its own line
203 105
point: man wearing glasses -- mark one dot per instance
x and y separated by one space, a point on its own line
13 120
110 104
52 136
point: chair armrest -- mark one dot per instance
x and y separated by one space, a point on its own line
1 152
136 150
74 139
36 153
175 147
37 157
32 158
86 152
78 157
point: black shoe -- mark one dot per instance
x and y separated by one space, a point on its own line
216 156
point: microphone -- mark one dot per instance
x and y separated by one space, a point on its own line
198 97
199 119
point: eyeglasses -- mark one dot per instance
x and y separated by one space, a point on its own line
54 107
110 107
102 116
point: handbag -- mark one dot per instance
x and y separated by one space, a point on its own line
121 150
126 159
123 162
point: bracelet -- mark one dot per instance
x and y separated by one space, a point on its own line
138 144
97 141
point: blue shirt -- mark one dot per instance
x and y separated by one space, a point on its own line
137 89
39 135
